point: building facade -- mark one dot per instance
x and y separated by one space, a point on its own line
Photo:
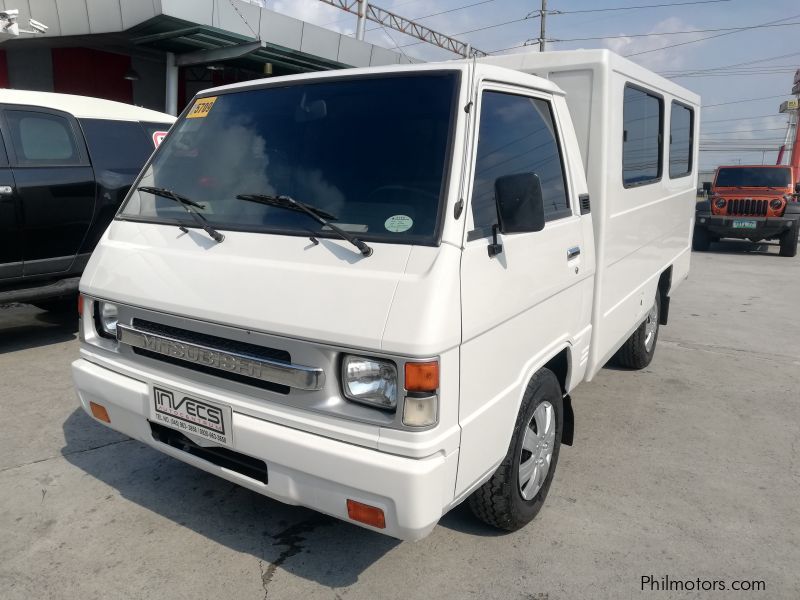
159 53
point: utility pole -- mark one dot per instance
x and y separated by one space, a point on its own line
542 19
362 19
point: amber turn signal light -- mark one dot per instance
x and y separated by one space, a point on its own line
80 304
99 412
364 513
422 377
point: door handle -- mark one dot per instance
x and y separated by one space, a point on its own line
5 190
573 252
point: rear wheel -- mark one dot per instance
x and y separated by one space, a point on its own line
638 350
701 239
517 490
789 241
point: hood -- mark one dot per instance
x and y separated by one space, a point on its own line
758 193
283 285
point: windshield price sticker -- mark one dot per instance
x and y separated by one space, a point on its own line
398 223
201 108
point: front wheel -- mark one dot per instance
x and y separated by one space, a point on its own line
789 241
638 350
516 492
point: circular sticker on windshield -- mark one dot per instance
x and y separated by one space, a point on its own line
398 223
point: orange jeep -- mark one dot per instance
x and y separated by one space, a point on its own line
754 202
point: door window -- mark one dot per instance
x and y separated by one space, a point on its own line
42 139
517 135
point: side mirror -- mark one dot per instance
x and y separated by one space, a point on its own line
520 207
707 187
797 188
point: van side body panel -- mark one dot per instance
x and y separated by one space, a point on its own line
641 230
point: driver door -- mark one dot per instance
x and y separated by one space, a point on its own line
525 304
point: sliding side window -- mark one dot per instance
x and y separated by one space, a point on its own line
681 136
643 119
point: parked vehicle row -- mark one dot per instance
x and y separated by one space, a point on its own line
66 163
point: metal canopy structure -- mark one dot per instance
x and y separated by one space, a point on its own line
409 27
195 44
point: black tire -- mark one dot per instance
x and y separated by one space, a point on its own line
701 239
60 306
789 241
499 501
634 353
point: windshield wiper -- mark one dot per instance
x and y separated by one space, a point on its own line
190 206
319 215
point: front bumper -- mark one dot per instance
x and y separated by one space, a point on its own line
304 469
766 227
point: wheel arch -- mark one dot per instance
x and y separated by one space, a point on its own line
561 366
664 287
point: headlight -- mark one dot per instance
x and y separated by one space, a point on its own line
107 317
370 380
775 204
720 203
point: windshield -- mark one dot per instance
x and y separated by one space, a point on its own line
753 177
371 152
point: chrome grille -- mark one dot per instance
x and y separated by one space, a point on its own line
243 362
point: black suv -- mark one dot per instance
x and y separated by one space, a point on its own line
66 164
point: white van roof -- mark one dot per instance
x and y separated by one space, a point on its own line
84 107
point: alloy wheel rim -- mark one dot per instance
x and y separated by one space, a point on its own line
537 450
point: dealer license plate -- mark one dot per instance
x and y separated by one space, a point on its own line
193 416
743 224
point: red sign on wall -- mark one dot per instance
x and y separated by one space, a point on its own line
158 137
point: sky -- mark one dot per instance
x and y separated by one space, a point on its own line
730 115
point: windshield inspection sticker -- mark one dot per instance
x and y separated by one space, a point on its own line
201 108
398 223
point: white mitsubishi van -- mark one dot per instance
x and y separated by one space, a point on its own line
371 291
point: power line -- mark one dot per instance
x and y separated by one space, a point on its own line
674 72
669 4
740 119
743 100
766 71
728 31
734 132
641 35
713 36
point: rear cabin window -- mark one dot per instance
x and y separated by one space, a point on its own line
121 146
42 139
681 135
517 135
642 118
